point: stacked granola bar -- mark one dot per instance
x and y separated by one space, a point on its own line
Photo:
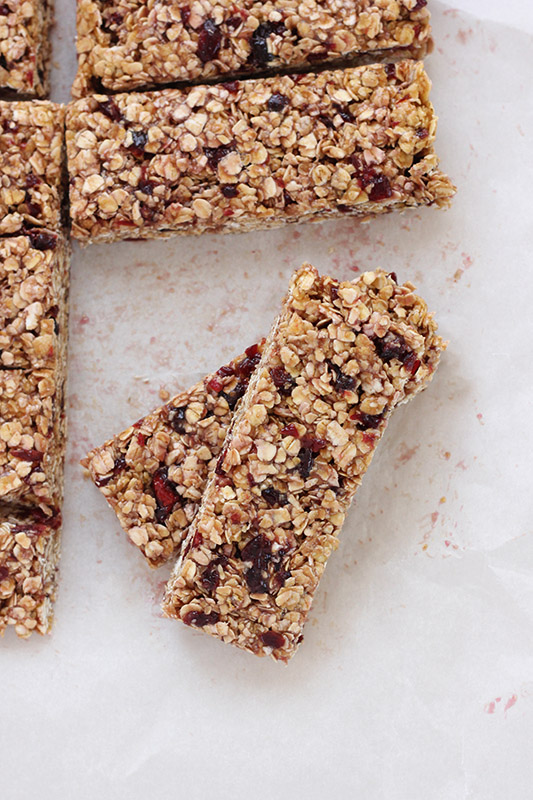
34 273
247 477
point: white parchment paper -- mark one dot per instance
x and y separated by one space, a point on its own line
415 681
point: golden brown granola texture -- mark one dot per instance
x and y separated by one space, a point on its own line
153 474
254 154
25 47
339 359
131 44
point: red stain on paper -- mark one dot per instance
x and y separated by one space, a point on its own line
83 320
493 705
405 453
480 419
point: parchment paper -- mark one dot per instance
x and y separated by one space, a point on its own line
415 680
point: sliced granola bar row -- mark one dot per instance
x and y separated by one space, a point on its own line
254 154
131 44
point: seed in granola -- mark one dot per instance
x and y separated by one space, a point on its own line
110 109
199 618
277 102
209 41
42 240
273 639
273 497
282 380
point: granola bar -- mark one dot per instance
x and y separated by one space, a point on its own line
153 474
125 44
32 438
29 554
34 272
339 358
31 165
25 47
255 154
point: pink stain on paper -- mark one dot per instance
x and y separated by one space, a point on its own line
406 453
494 705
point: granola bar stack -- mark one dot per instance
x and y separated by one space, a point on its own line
246 478
25 47
34 272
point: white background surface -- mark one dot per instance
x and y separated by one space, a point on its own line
415 681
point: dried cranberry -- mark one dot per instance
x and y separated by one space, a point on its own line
234 22
325 120
4 10
110 109
233 397
229 190
420 4
277 102
259 552
390 70
27 455
209 41
210 577
334 293
4 574
42 240
313 57
34 209
287 199
147 213
422 133
307 459
164 491
344 113
273 639
282 380
393 277
314 443
231 86
138 143
290 430
341 381
366 421
120 464
247 365
218 469
273 497
199 618
177 419
390 347
185 13
381 189
146 186
260 55
226 370
214 384
32 180
216 154
412 363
